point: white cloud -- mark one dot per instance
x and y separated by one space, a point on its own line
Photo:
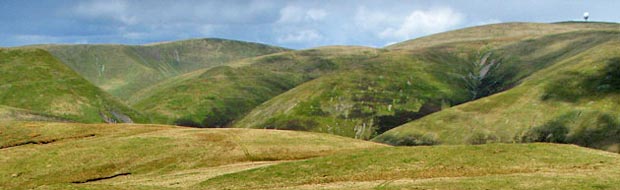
423 22
112 9
206 29
304 36
294 14
316 14
373 20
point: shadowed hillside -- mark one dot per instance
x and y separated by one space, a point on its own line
216 97
572 100
122 70
367 95
401 85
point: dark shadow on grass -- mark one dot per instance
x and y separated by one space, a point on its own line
573 86
595 130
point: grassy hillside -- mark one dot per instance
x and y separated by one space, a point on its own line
15 114
400 85
499 102
65 155
500 34
571 100
495 166
34 80
122 70
216 97
368 95
129 156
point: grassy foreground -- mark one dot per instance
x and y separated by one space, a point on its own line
493 166
36 155
64 155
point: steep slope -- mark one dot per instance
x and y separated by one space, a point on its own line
495 166
122 70
33 155
34 80
401 85
378 93
572 100
216 97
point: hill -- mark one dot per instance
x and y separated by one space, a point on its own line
32 155
570 100
122 70
406 82
218 96
37 82
500 34
131 156
365 95
494 166
472 93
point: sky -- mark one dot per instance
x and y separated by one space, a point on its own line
291 24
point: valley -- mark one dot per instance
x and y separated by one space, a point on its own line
508 105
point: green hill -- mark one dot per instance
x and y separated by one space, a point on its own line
406 82
70 155
363 96
472 93
572 99
34 80
500 34
496 166
216 97
122 70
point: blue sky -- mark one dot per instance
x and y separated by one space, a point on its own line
293 24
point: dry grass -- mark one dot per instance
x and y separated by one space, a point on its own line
145 151
495 166
499 34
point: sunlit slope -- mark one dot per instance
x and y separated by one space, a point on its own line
64 155
122 69
502 33
574 100
493 166
218 96
34 80
399 86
